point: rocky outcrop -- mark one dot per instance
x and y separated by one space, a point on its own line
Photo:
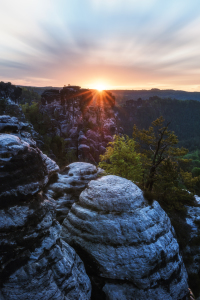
129 247
69 184
35 262
24 169
8 90
84 118
23 130
191 252
50 95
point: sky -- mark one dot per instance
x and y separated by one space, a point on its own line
119 44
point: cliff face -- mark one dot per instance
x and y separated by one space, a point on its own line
128 247
35 262
84 118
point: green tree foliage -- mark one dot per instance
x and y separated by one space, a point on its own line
28 96
152 156
122 159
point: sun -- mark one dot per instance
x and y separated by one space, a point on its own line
100 87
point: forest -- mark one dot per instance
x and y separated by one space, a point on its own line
183 116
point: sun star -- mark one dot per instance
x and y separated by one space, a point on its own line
100 87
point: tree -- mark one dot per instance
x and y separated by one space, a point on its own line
122 159
157 145
152 159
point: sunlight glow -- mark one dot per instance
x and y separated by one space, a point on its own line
100 87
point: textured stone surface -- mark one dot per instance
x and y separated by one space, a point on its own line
35 262
12 125
124 240
9 124
24 169
191 252
69 184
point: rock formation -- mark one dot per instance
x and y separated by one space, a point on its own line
35 262
69 184
191 252
129 247
8 90
84 118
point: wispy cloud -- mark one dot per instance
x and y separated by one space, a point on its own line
125 43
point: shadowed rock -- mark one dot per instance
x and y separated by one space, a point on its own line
24 169
127 245
35 262
69 184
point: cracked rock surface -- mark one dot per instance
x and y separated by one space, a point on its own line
35 262
128 246
69 184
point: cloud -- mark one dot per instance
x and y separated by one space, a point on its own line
59 40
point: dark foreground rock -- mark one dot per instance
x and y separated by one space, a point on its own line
69 184
24 169
129 247
35 262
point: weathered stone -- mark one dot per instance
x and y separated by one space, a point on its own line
92 135
35 262
84 148
24 169
124 239
108 138
102 149
82 140
191 253
69 184
9 124
73 132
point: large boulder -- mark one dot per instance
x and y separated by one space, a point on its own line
24 169
35 262
9 124
69 184
129 246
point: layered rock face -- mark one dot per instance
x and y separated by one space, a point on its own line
191 252
23 130
129 247
86 123
24 169
69 184
35 262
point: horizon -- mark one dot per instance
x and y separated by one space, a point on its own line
118 45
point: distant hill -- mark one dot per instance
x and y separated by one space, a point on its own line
123 95
40 90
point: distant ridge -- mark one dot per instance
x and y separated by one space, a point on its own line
123 95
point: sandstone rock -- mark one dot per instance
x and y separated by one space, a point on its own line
108 138
128 244
82 140
27 137
9 124
191 253
92 135
51 165
69 184
64 128
35 262
73 132
102 150
84 148
24 169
